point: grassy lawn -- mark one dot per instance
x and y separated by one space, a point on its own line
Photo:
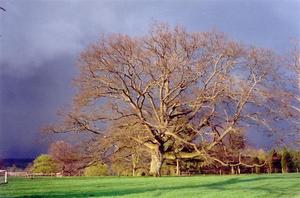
275 185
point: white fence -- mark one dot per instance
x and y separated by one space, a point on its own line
17 174
33 175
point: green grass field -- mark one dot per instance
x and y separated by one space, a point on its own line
275 185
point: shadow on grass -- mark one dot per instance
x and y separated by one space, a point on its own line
230 184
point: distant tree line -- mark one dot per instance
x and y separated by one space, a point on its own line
72 161
84 160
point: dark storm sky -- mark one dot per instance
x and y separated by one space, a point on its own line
41 40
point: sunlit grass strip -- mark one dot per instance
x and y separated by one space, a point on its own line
274 185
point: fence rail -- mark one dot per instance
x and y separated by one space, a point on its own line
33 175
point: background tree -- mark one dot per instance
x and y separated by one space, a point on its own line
286 161
186 92
259 156
275 162
66 157
44 164
296 160
14 168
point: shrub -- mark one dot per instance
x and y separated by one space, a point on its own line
44 164
96 170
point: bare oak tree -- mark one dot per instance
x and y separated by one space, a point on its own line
183 93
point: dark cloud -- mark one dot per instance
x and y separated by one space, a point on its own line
41 40
31 102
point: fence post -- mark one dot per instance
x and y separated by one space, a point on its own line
5 177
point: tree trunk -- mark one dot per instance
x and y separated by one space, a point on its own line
133 172
177 167
133 165
257 170
156 164
232 170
